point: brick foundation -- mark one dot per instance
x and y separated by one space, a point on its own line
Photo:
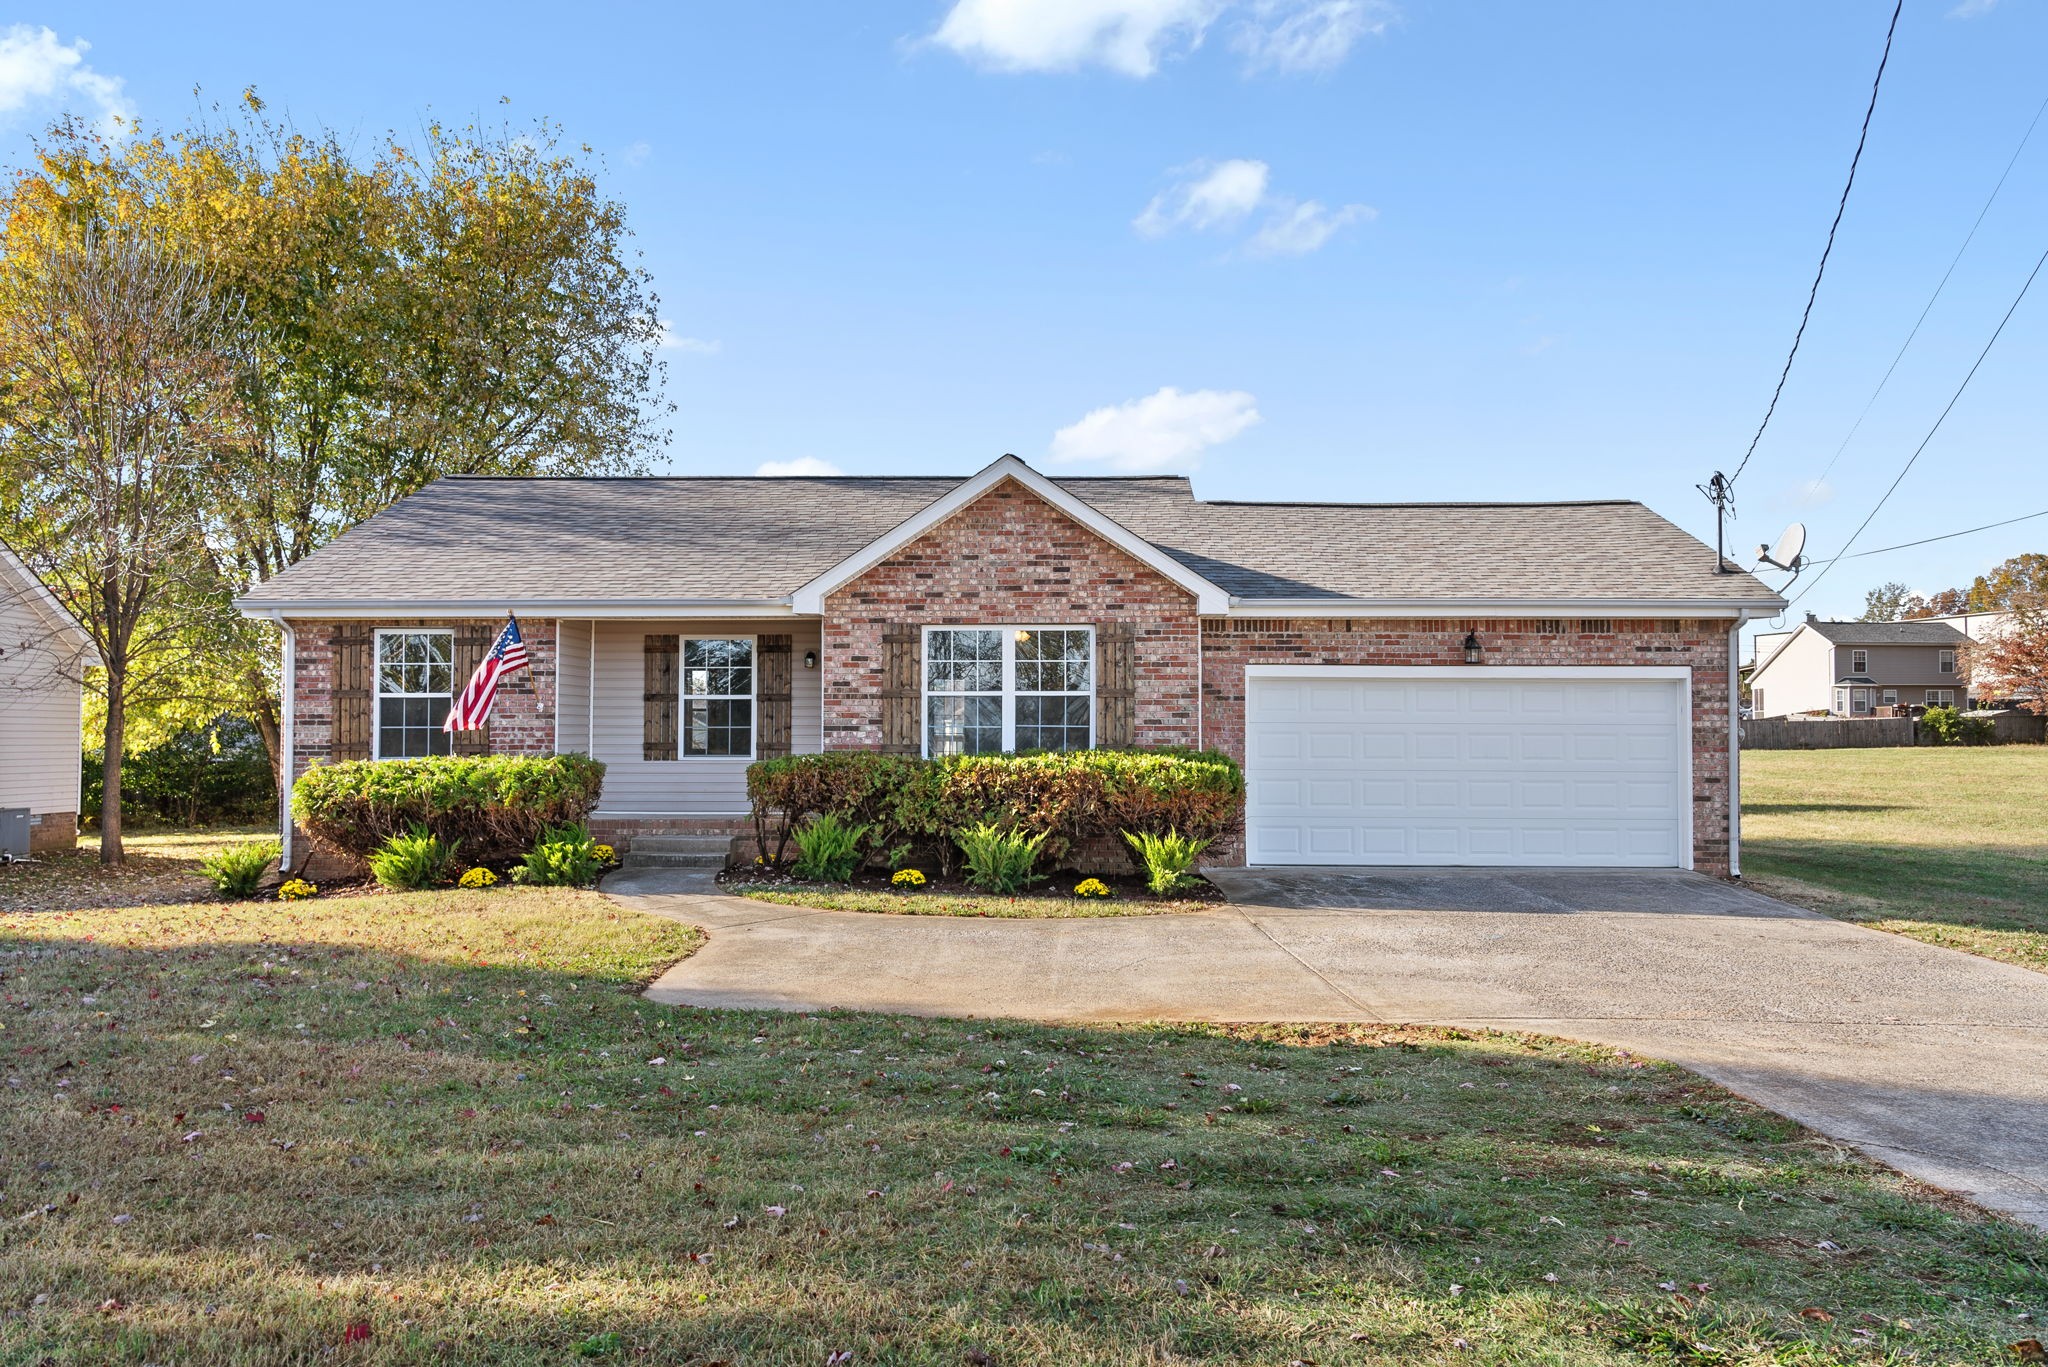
52 832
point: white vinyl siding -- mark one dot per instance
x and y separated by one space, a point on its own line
693 785
572 687
40 708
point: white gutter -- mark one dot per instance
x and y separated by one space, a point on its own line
349 608
287 726
1500 607
1735 736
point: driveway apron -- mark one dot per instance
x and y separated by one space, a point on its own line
1932 1061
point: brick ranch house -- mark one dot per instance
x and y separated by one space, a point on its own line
1453 684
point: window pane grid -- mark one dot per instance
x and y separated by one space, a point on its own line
415 688
718 696
992 689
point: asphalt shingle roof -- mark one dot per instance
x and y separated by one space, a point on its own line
1889 633
622 540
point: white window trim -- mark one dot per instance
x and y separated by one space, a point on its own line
752 697
377 693
1890 697
1007 631
1941 697
1859 702
1859 662
1945 661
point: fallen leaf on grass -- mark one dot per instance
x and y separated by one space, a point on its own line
1817 1315
2030 1350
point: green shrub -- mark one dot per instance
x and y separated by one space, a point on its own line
417 859
495 806
1167 858
1068 798
999 860
217 774
828 849
1951 727
564 857
235 870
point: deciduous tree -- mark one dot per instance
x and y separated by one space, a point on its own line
2013 661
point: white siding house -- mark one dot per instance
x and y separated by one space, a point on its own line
43 657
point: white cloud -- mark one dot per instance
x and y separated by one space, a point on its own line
1160 431
1814 492
636 154
37 69
802 465
1209 195
1130 37
1307 35
671 340
1973 9
1298 229
1222 195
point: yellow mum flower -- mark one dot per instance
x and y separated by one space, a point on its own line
1091 887
478 877
907 878
296 889
605 854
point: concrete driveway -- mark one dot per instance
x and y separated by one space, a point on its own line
1933 1061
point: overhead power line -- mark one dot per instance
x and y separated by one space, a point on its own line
2011 309
1872 400
1840 208
1928 540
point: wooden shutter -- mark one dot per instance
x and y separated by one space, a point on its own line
902 691
772 698
354 669
663 656
473 641
1116 685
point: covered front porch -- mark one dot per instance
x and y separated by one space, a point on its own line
677 708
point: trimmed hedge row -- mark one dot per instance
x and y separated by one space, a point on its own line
1068 798
497 806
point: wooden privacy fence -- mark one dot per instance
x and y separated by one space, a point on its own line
1840 733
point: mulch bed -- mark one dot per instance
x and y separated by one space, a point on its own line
1057 887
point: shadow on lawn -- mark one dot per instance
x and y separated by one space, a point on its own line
408 1157
1794 808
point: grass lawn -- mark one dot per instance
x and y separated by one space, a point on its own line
162 866
1946 845
444 1128
827 897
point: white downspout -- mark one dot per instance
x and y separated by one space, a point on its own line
287 726
1735 745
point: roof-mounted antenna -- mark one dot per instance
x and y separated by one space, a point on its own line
1720 492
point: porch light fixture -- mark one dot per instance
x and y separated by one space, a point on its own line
1471 647
810 659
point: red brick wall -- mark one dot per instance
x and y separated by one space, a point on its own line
52 832
1009 557
1229 646
522 718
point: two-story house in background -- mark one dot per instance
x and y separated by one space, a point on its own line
1855 669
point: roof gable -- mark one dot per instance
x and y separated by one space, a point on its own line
1209 598
17 579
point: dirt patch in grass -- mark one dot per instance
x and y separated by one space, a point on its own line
1054 899
444 1128
1949 846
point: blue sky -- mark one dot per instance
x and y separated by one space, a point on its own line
1304 249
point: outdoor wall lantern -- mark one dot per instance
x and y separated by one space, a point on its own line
810 659
1471 647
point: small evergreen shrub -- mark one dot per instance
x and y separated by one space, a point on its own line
828 849
235 870
1167 858
564 857
418 859
999 860
495 806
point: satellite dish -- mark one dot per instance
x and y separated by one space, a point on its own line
1786 554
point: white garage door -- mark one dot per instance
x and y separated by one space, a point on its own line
1434 766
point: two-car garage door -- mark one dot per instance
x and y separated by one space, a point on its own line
1473 765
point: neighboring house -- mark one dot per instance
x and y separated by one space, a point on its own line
44 654
1851 669
1405 683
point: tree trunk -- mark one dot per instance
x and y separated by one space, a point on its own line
263 712
110 770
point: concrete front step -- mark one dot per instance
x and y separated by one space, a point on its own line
637 858
680 844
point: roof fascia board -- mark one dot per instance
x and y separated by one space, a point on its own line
365 608
1209 598
1495 607
39 596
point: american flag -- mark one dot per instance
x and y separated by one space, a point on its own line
473 708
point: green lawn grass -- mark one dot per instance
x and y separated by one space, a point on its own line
445 1128
1946 845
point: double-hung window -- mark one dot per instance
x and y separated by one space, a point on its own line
415 687
718 696
1945 661
1859 662
990 689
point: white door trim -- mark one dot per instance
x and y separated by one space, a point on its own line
1679 674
